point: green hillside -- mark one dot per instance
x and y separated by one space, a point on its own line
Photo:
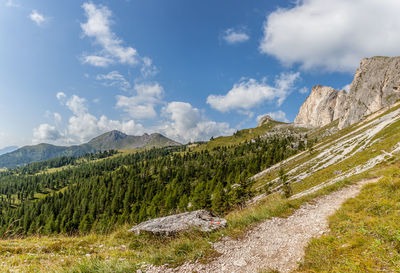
113 140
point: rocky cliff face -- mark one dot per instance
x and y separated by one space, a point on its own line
322 106
376 85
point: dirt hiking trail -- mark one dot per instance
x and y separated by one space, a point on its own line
275 244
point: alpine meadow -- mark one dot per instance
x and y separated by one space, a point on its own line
212 136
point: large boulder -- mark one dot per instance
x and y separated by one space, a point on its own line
199 219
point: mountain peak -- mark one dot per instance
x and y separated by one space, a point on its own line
111 136
113 140
264 120
375 86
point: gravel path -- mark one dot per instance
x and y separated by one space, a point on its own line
277 243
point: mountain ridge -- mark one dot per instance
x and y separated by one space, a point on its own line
8 149
113 140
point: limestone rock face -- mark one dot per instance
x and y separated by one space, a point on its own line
173 224
323 106
376 85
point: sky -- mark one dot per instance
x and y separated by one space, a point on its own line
71 70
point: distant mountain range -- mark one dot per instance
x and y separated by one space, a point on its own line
114 140
8 149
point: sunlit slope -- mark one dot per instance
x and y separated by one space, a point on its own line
351 151
268 129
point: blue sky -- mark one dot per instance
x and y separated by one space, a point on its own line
70 70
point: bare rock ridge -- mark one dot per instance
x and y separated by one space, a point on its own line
376 84
322 106
264 120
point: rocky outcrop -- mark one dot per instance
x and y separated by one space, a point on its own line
376 85
322 106
199 219
264 120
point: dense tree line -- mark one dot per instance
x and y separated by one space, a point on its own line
95 196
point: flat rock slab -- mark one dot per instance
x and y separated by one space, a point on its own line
199 219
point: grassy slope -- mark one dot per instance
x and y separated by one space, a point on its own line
365 235
390 136
247 135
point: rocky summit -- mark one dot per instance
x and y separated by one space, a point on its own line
322 106
376 85
264 120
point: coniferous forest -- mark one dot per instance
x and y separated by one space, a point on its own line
95 193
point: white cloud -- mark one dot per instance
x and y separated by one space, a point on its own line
142 105
38 18
45 133
98 26
135 110
128 127
114 78
232 36
77 105
187 124
248 94
57 118
12 4
332 34
303 90
149 91
61 96
148 68
99 61
277 115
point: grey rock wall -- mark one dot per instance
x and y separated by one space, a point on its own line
376 84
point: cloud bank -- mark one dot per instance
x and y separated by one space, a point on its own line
179 120
333 35
250 93
187 124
